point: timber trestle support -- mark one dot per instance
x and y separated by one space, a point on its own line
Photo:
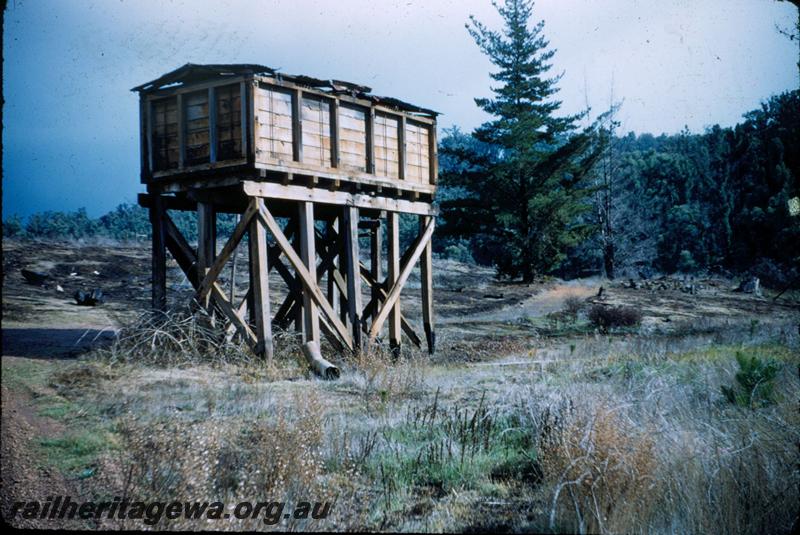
312 238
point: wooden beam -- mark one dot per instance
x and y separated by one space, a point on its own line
206 237
376 249
309 256
393 262
216 267
351 261
159 259
295 294
181 251
242 311
259 267
426 283
305 276
300 193
374 302
332 239
394 293
218 294
297 310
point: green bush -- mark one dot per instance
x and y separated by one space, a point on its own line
755 380
459 251
12 227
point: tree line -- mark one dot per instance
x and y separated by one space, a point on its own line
536 192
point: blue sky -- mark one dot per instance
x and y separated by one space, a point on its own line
70 124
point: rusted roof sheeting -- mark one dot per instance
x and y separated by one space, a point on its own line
192 72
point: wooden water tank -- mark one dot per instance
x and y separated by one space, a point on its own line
208 125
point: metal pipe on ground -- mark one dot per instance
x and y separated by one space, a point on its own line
321 367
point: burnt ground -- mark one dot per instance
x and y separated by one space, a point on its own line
480 322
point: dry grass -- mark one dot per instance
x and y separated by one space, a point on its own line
620 435
216 459
180 340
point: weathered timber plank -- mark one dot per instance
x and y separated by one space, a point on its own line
299 193
393 272
260 268
354 305
426 283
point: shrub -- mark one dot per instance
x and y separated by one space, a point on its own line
608 317
460 252
12 227
572 305
756 382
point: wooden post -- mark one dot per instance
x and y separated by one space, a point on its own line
206 241
354 304
159 254
333 244
206 236
297 125
426 282
251 313
376 248
393 259
298 285
309 256
341 274
259 275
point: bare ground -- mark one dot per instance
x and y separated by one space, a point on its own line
491 334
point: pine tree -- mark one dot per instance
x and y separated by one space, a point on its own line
530 196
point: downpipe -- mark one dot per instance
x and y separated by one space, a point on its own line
321 367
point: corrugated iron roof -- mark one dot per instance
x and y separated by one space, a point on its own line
193 72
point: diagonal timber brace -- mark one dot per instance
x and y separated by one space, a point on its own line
308 280
417 248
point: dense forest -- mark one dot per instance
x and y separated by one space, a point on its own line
688 202
535 192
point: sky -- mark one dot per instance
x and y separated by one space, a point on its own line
70 122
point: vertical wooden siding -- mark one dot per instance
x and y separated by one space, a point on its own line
164 116
417 156
316 118
229 122
197 134
387 159
274 125
353 138
273 133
